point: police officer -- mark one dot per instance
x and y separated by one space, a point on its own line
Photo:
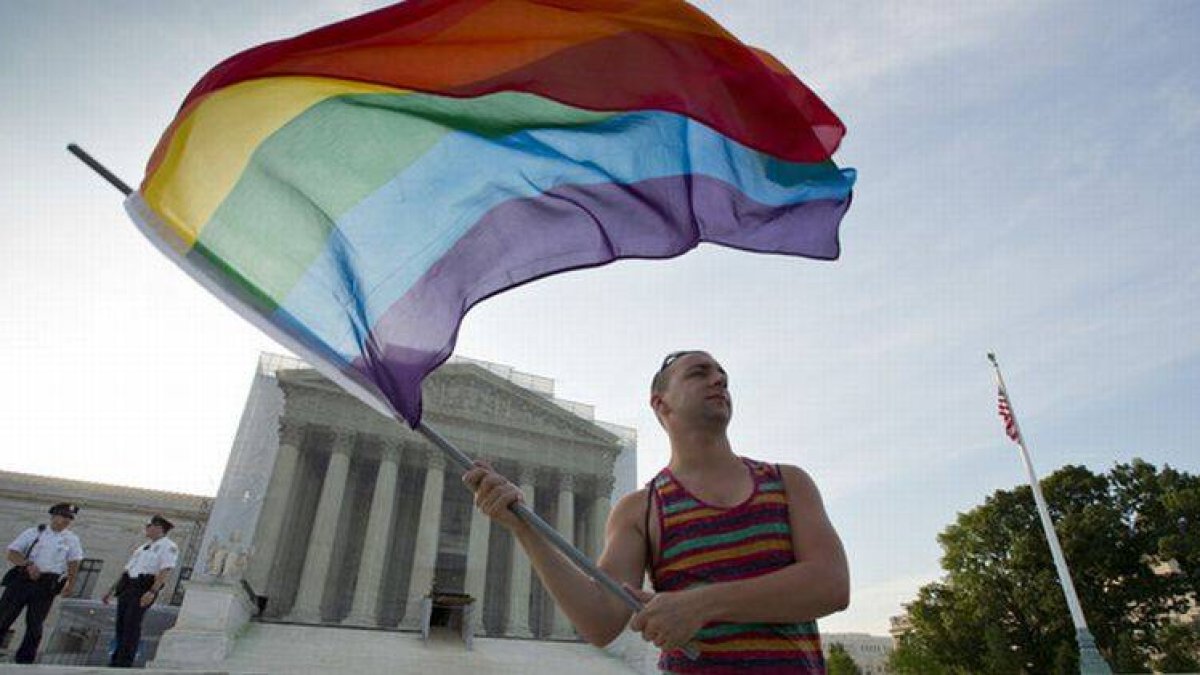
40 556
144 577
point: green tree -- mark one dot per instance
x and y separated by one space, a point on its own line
1178 646
839 662
913 658
1000 608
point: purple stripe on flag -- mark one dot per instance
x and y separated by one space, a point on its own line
574 227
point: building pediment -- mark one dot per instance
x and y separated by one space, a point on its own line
469 391
463 393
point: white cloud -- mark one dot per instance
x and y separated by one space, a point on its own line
872 605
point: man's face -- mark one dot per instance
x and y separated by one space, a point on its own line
697 392
153 530
59 523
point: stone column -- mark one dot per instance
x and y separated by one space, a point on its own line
565 524
477 563
519 582
367 589
275 506
420 580
600 508
307 608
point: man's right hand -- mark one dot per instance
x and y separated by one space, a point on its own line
494 494
107 598
33 571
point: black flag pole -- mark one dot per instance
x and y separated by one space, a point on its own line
460 458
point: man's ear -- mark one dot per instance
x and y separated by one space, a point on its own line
657 404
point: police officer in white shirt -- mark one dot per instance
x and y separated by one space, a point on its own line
144 577
45 561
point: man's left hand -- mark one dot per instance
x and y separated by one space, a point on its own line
67 588
669 620
147 598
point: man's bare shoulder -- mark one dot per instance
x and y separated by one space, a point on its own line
799 485
629 511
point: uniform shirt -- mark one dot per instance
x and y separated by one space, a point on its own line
52 551
152 557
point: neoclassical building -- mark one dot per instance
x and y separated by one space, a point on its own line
337 515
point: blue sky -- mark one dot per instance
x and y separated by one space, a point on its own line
1029 184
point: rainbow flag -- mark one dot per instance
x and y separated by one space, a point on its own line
355 190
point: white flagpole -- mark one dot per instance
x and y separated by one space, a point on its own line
1090 660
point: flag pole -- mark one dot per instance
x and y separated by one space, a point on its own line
461 459
1090 660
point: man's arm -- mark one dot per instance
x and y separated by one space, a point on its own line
597 615
72 572
817 584
160 581
74 557
168 557
15 553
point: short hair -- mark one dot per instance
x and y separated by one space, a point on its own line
659 384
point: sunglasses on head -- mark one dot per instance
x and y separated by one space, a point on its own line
673 357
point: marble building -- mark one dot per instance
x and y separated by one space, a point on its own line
337 515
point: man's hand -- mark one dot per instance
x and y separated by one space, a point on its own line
107 598
33 571
67 588
669 620
147 598
493 494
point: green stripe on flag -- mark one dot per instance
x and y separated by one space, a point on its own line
279 215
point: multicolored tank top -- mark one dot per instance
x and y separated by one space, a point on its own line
701 544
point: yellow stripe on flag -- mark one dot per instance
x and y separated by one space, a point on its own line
213 144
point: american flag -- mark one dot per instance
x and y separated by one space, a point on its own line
1006 414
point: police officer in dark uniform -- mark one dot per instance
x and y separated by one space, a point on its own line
45 560
144 577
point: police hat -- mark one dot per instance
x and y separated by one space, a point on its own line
162 522
64 509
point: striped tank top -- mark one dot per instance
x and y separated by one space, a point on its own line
701 544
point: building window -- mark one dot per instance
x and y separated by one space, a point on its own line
185 573
85 581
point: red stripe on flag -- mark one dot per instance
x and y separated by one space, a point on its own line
1010 421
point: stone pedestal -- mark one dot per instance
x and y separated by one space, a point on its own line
213 615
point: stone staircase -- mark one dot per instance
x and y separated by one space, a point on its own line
305 650
283 649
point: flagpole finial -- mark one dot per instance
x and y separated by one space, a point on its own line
992 358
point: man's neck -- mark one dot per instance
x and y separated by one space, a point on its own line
57 528
701 452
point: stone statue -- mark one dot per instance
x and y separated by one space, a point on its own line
236 558
217 555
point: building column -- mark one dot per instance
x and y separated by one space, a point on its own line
367 588
420 581
310 593
560 626
519 582
475 584
600 507
275 507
